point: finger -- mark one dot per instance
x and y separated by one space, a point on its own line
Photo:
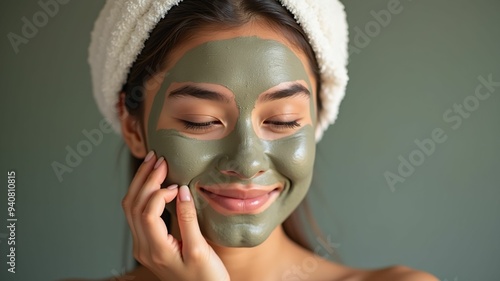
192 239
152 183
162 245
140 177
127 202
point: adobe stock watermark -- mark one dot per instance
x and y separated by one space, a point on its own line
31 26
76 154
381 19
93 138
304 270
455 117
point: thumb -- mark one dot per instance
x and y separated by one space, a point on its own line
192 240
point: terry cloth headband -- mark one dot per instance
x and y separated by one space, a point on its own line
124 25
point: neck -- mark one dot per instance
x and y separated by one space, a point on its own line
242 262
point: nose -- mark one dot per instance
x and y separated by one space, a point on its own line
246 158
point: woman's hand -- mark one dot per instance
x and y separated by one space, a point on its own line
168 258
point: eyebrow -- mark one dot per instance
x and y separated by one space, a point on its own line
192 91
294 90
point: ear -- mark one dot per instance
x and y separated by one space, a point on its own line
131 130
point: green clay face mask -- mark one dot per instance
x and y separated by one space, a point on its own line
247 67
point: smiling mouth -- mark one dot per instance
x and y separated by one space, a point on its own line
240 201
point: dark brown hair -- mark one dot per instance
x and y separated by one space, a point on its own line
189 17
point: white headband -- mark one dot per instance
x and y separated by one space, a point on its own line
124 25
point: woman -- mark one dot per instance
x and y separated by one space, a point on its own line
224 100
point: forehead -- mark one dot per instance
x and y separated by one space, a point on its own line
246 65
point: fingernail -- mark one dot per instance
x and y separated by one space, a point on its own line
149 156
158 163
173 186
184 194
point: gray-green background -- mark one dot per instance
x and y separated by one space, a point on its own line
444 218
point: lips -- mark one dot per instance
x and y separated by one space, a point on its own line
238 199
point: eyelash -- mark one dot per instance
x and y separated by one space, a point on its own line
284 125
206 125
199 126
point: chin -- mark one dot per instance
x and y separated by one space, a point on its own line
239 235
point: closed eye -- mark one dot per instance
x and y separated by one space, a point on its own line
200 126
283 125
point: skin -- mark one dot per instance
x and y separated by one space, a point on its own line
161 251
243 148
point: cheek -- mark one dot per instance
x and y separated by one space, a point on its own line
293 157
187 158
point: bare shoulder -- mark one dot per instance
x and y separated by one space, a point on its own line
398 273
338 272
139 273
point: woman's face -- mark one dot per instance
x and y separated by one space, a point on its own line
234 117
